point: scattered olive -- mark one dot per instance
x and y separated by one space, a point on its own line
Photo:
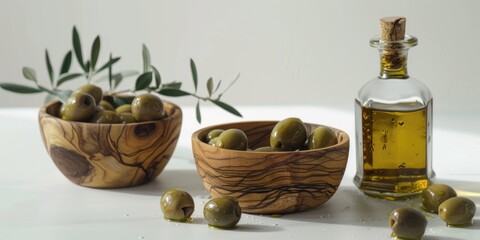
222 212
321 137
457 211
147 107
407 223
78 107
233 138
435 194
124 108
177 205
288 134
213 134
106 116
106 105
93 90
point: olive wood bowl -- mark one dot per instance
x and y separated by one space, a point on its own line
110 155
270 182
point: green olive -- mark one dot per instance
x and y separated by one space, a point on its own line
93 90
457 211
127 117
321 137
435 194
106 116
78 107
288 135
407 223
147 107
265 149
106 105
177 205
213 134
222 212
233 138
124 108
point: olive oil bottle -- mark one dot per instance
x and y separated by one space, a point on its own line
393 122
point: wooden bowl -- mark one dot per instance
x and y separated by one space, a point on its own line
270 182
110 155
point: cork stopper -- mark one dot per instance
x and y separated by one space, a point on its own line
392 28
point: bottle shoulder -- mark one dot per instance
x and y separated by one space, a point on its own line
405 94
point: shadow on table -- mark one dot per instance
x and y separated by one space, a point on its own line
187 180
352 207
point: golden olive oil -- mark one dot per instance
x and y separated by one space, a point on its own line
394 151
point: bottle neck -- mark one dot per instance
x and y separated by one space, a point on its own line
393 63
393 56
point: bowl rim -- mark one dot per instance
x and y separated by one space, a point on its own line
345 140
177 113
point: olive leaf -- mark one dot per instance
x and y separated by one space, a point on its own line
143 81
17 88
226 107
29 74
110 74
158 79
67 77
210 87
173 92
67 61
146 59
95 51
197 112
172 85
194 73
107 64
218 86
49 67
77 47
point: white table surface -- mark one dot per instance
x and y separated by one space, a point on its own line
38 202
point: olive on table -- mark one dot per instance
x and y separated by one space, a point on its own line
457 211
222 212
78 107
321 137
234 139
213 134
147 107
93 90
106 116
177 205
288 135
407 223
436 194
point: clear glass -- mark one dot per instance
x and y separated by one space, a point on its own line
393 123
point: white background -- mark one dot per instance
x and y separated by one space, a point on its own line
288 52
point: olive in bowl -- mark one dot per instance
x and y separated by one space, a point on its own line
109 155
270 182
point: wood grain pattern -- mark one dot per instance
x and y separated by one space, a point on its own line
110 155
270 182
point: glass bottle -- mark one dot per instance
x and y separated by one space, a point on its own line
393 122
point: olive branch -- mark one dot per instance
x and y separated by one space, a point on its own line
148 80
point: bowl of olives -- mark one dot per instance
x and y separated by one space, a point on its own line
110 144
271 167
